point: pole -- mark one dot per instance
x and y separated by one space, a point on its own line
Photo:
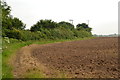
71 21
88 22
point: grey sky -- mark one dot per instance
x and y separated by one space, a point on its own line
103 14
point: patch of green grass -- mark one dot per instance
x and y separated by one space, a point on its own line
6 56
11 49
0 57
0 65
34 74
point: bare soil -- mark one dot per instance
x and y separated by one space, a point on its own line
94 58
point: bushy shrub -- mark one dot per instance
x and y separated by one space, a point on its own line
66 33
41 35
81 33
28 35
12 33
61 33
56 33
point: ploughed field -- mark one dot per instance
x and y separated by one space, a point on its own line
93 58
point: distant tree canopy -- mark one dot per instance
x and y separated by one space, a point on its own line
66 25
11 23
49 24
44 24
84 25
18 24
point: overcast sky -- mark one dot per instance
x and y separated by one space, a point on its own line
103 14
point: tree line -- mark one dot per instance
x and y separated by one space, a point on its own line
13 27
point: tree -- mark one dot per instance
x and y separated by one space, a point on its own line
84 25
5 9
5 13
18 24
44 24
8 22
11 23
66 25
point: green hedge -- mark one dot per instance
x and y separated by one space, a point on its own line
56 33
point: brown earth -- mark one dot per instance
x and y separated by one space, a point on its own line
94 58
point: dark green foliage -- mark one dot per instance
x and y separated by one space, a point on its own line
44 33
88 29
18 24
27 35
61 30
5 9
8 22
12 33
84 25
66 25
45 24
